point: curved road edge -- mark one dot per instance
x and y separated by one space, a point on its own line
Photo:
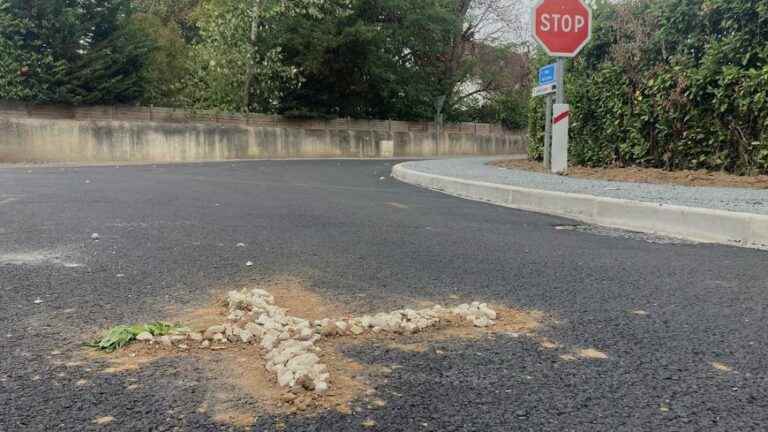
690 223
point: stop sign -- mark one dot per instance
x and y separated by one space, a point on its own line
562 27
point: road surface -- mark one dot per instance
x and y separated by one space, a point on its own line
684 326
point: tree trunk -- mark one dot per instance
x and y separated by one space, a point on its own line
456 55
251 62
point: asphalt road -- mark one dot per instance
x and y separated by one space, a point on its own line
169 232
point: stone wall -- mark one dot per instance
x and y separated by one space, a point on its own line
106 134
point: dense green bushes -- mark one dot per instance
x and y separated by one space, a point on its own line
304 58
71 51
673 84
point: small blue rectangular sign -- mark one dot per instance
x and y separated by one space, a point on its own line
547 74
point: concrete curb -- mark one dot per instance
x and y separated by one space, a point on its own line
691 223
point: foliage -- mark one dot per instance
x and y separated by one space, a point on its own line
393 59
168 24
122 335
70 51
109 73
367 59
15 61
335 58
679 84
165 62
308 58
217 63
171 13
226 59
508 108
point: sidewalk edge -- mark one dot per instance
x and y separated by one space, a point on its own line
691 223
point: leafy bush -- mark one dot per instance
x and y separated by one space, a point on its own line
72 52
508 108
679 84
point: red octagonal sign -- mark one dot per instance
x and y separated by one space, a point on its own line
562 27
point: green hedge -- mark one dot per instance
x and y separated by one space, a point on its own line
675 84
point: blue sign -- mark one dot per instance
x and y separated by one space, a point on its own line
547 74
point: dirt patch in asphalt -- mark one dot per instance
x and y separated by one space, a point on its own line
132 358
239 388
293 294
289 292
648 175
201 318
238 373
509 322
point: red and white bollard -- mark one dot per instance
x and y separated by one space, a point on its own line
560 122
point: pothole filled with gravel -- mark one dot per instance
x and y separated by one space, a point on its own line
284 348
289 343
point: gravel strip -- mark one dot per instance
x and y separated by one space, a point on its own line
731 199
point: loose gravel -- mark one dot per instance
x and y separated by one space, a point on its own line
289 342
731 199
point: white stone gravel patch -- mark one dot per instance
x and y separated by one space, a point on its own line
289 343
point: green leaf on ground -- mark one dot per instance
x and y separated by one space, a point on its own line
122 335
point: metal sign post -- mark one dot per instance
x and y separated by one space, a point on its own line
563 28
547 87
548 133
560 71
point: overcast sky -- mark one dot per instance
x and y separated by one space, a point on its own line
508 20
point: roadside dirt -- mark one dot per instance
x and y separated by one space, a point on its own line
699 178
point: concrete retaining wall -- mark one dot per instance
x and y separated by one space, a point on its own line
106 134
